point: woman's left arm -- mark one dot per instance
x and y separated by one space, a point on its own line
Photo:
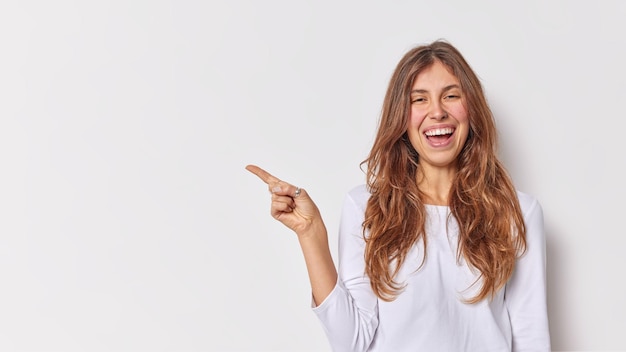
525 295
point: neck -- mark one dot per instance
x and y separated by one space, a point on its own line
435 185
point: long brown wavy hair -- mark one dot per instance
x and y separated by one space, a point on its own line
482 198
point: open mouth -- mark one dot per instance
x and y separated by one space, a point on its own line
439 135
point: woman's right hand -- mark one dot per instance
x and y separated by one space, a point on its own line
290 205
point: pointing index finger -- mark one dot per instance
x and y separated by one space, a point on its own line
262 174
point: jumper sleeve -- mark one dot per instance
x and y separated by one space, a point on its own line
349 315
525 295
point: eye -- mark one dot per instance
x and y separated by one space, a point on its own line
452 96
418 100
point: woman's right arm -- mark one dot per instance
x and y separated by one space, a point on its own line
346 307
349 314
297 211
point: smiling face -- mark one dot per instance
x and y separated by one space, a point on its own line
438 125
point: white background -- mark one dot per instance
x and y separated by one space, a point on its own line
128 222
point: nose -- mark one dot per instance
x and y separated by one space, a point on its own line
437 112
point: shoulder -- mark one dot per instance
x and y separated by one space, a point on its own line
531 208
527 201
353 213
358 196
356 199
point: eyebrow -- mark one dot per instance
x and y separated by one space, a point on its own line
446 88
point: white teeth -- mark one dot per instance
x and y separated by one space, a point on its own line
439 131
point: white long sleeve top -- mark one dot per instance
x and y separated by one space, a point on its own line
430 314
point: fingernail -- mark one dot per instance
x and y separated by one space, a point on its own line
276 189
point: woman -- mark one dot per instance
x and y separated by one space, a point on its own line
438 251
